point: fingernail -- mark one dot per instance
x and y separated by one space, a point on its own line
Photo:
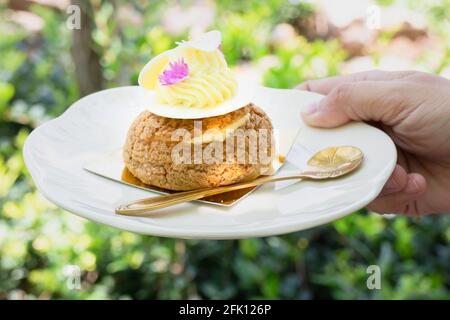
311 108
412 187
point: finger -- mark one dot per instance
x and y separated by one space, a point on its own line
326 85
396 182
363 101
402 201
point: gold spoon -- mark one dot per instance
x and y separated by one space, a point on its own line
328 163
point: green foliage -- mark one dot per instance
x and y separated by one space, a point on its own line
238 43
38 240
385 2
302 61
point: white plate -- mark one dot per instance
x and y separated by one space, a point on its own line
56 152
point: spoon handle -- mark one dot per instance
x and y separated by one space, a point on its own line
143 207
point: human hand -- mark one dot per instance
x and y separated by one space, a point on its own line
413 108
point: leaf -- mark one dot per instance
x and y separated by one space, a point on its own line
6 93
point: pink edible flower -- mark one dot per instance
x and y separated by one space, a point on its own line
176 72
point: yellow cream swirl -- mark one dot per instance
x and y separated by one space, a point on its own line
209 83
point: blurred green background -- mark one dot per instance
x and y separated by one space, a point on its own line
277 42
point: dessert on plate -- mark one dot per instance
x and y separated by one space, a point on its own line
200 128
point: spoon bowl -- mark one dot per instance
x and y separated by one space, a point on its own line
334 162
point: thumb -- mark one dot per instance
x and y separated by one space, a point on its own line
361 101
